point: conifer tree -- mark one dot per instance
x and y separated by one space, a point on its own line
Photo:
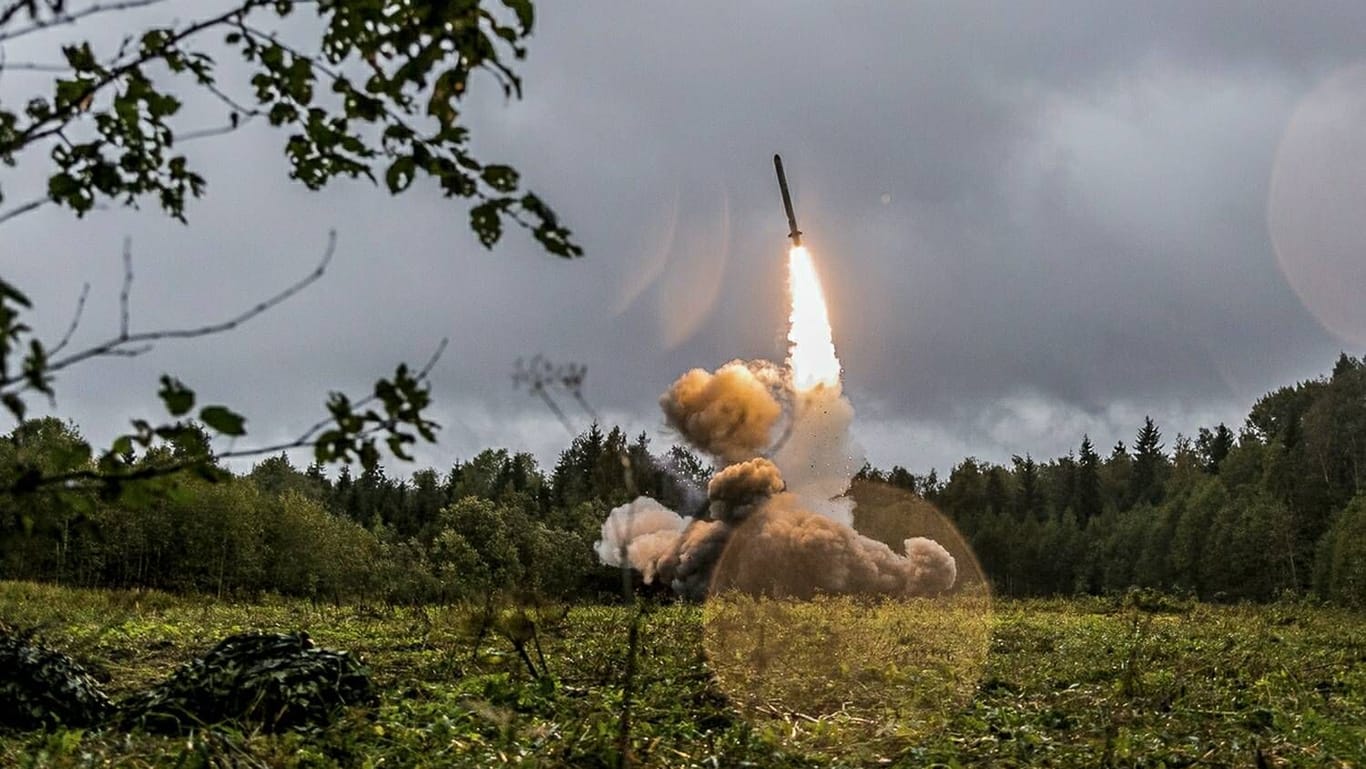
1149 464
1087 501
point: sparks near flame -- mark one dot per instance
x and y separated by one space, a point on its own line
811 348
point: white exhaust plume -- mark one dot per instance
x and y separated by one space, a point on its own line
819 456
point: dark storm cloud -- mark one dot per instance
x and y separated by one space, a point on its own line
1033 220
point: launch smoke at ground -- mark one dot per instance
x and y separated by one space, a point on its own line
777 507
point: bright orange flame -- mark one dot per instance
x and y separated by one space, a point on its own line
811 350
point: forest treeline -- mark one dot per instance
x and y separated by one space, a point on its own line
1275 508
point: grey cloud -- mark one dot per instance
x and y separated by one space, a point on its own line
1074 216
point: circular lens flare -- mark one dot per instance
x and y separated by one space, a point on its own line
851 677
1316 213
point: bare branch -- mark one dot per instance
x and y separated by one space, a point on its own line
129 343
32 66
555 409
20 210
75 321
205 133
127 287
240 116
583 404
71 18
231 102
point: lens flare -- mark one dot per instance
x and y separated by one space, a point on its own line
811 349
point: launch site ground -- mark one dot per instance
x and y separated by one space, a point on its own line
1087 682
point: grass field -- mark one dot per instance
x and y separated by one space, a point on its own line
1037 683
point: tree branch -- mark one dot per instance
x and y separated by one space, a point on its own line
53 124
240 116
32 66
22 209
127 287
122 344
305 438
75 321
68 18
95 478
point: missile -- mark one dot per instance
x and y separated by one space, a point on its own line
795 234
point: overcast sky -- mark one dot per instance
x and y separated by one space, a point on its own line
1033 220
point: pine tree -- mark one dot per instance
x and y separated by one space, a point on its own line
1149 464
997 492
1213 446
1028 499
1087 501
902 478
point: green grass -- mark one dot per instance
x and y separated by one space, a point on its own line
1055 683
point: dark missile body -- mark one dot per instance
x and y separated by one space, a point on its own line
795 233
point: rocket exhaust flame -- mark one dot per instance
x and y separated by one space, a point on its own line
811 348
811 351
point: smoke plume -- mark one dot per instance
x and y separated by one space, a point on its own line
778 519
776 526
730 414
738 487
788 551
644 532
819 457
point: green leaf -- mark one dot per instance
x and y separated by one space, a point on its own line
487 223
400 174
122 446
525 13
223 420
501 178
80 58
178 398
369 455
9 292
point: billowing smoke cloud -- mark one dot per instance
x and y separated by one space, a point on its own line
730 414
688 569
786 550
778 522
933 568
740 486
644 531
